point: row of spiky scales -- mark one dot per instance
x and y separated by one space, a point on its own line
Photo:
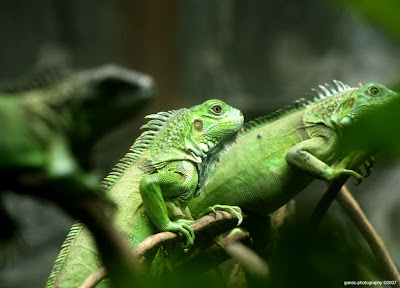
141 143
326 91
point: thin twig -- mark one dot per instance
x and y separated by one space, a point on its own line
213 255
353 210
330 195
248 259
94 278
205 227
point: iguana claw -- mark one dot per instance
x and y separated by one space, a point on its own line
210 210
355 175
233 210
368 165
340 171
184 228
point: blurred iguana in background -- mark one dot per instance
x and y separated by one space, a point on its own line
48 124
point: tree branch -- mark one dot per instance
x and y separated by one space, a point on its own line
248 259
330 195
204 228
349 204
353 210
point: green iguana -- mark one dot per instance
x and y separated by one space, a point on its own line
277 156
48 124
152 185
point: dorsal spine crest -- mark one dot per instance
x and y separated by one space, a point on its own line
142 142
327 91
37 80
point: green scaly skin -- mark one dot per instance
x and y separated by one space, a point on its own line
153 184
50 122
277 157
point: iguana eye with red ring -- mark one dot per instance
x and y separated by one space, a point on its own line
374 90
217 109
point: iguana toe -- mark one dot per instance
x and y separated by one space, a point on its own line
233 210
185 229
209 210
357 176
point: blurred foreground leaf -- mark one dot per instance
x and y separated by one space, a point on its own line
377 131
384 14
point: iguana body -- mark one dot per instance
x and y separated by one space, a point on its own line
49 124
154 182
276 157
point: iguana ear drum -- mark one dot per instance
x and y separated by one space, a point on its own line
198 125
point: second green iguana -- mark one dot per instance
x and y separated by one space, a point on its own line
277 156
153 184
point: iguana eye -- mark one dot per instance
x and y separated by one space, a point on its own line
217 109
374 90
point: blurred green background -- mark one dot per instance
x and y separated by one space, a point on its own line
256 55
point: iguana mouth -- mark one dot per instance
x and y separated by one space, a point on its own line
238 121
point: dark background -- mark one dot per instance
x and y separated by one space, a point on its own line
256 55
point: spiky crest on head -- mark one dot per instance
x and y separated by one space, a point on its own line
141 143
324 93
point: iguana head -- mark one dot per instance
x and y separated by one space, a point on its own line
100 99
214 122
357 102
105 97
215 127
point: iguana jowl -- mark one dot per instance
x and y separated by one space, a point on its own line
152 185
277 156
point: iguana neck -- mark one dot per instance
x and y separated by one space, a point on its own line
326 112
177 133
47 116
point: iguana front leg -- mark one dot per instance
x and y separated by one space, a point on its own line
156 186
310 156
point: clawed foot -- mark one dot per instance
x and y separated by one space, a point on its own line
356 175
183 227
337 172
233 210
367 167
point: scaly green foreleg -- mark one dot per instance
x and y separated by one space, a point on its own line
307 156
152 189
